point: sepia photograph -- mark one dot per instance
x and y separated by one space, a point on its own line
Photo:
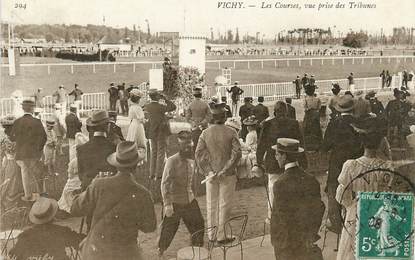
207 129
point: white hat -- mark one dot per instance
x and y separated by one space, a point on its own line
412 128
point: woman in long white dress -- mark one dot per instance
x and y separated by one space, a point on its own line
371 133
136 115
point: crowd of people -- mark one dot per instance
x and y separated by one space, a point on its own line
222 144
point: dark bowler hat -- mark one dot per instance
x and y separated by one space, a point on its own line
370 125
335 86
344 104
280 106
288 145
197 91
396 92
218 108
112 114
28 103
98 117
250 120
260 99
371 94
43 210
184 135
126 155
223 98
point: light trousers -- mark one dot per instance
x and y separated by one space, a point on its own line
272 178
220 195
30 184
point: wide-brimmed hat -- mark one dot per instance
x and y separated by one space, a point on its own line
43 210
250 120
260 99
344 104
7 120
288 145
234 123
218 108
98 117
370 125
28 103
197 91
126 155
136 92
50 122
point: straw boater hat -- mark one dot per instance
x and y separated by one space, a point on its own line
98 117
43 210
344 104
136 92
7 120
288 145
126 155
250 120
234 123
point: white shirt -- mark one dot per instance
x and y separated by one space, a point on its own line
291 165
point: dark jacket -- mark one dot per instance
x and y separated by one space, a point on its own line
261 112
344 143
377 107
73 125
396 112
92 159
297 213
156 125
245 111
120 208
115 134
113 91
30 137
273 129
45 240
291 112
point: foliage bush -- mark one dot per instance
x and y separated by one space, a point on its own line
355 40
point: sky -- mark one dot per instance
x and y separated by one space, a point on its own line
198 16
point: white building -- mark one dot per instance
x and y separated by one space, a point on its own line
192 52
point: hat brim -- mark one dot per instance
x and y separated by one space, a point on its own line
275 147
342 109
112 160
102 122
36 220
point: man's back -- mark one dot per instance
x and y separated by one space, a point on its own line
246 110
198 112
92 158
30 137
297 209
155 113
261 112
73 125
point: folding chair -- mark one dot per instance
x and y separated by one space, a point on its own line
197 252
239 222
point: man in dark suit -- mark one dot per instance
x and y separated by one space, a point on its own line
344 144
297 83
305 80
236 92
245 111
260 111
157 131
93 154
228 112
73 126
278 127
297 207
113 93
114 132
30 138
120 208
290 109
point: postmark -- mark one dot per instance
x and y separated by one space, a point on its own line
385 227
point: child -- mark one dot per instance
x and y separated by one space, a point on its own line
73 184
49 149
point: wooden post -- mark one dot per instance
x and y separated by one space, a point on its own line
371 61
219 64
311 62
299 62
275 63
343 61
353 60
363 60
380 60
234 65
115 70
332 61
389 60
249 65
71 69
133 67
262 64
288 63
48 69
322 62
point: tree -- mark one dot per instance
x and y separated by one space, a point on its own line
237 35
125 33
229 36
355 40
49 37
67 36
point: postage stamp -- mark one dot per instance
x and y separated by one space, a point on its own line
386 226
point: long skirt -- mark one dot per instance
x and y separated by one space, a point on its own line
136 133
312 130
11 184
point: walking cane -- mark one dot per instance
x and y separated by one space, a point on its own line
82 225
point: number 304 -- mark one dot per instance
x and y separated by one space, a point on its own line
20 5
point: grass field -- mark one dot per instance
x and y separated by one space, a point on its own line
31 78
